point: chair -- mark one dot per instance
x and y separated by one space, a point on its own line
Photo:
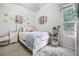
4 39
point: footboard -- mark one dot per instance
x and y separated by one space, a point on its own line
39 45
35 43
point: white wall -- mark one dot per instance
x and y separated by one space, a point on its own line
12 10
52 11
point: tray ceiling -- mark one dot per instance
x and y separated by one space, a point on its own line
32 6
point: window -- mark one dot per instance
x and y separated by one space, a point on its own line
69 20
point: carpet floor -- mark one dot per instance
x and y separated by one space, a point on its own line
17 49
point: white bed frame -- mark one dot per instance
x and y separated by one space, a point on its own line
34 51
22 41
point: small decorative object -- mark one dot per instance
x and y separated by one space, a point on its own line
21 19
16 18
5 14
5 20
55 31
27 22
11 18
43 20
54 40
28 18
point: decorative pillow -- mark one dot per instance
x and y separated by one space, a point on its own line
30 29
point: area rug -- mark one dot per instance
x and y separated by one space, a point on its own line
54 51
49 53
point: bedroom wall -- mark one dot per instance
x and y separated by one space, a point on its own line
7 23
54 18
52 11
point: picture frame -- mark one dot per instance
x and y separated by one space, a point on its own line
42 19
19 19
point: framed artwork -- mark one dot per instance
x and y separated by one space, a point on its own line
27 18
43 19
16 18
11 18
19 19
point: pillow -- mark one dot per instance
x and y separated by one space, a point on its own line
30 29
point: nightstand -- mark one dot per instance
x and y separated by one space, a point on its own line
13 37
54 41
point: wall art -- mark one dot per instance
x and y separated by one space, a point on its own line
19 19
5 14
42 19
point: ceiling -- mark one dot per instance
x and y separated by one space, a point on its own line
35 6
32 6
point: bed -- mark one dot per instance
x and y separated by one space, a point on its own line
34 40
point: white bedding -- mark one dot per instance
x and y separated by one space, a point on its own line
36 40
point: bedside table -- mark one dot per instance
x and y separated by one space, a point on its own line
13 37
54 41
